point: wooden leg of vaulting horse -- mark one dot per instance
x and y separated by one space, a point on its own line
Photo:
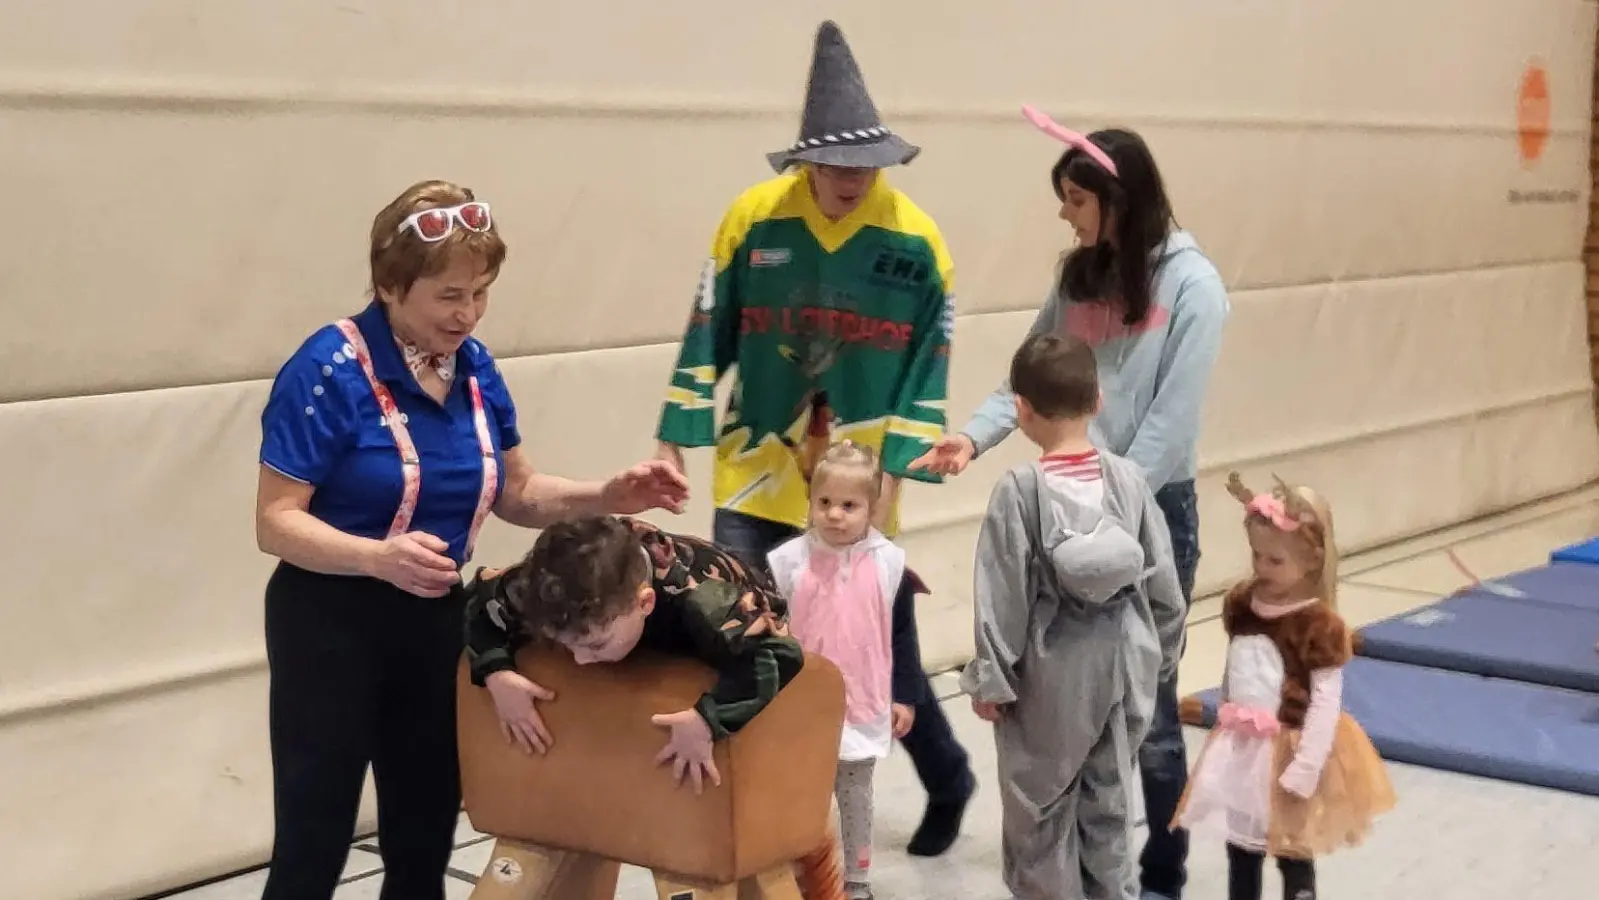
776 883
519 871
669 888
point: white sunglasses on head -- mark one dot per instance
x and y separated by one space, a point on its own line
436 224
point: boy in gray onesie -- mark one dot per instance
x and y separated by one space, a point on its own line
1079 617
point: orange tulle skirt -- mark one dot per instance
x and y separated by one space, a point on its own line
1234 793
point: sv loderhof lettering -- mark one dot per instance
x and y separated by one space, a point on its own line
834 324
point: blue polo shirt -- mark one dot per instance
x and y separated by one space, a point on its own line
322 426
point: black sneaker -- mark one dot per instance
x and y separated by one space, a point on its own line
941 824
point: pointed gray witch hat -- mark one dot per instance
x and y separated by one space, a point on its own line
840 125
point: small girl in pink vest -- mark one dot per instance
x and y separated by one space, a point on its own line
841 577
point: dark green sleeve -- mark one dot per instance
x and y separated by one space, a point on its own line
747 645
710 344
917 420
494 632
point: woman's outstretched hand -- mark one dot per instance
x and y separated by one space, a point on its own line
415 563
652 484
950 456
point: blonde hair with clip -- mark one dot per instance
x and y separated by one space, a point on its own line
847 459
1310 518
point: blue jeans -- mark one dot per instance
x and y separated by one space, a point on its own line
941 762
1163 758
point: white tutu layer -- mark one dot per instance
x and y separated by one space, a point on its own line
1230 790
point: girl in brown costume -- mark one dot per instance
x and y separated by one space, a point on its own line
1285 772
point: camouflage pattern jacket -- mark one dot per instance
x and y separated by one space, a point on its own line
709 606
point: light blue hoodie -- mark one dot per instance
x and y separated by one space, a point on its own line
1154 381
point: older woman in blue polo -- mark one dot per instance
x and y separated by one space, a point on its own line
388 439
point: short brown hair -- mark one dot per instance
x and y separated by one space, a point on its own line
399 258
579 575
1056 375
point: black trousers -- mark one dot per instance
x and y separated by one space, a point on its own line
942 764
1163 757
361 673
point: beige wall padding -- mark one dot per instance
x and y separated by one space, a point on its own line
1590 249
190 185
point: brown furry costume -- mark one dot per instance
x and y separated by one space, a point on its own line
1354 787
1311 639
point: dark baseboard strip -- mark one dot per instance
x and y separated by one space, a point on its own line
461 875
1418 592
360 876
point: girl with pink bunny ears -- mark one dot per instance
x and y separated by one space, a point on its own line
1139 291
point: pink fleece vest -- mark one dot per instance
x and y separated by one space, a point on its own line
838 611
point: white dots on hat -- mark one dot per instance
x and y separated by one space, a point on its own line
842 137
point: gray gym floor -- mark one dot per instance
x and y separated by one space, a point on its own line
1451 835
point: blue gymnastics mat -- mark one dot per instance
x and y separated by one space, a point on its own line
1559 584
1488 727
1585 552
1479 633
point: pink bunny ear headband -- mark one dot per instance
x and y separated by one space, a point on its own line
1070 138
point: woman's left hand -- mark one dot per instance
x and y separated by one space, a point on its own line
652 484
689 749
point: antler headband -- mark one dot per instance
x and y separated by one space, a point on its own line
1284 507
1070 138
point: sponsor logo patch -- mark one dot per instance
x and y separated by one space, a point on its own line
766 257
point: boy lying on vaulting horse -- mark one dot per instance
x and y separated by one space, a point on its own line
605 587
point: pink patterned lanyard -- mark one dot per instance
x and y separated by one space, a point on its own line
410 461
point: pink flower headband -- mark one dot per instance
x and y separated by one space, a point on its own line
1070 138
1284 508
1270 507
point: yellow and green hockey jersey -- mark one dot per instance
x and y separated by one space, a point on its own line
859 309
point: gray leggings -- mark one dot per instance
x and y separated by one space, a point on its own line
853 788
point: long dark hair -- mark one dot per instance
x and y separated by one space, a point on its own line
1136 200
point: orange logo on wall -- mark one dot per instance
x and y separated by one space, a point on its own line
1532 114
